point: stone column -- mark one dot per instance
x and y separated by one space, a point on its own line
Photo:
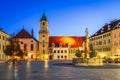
86 44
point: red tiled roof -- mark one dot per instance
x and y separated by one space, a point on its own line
74 41
23 34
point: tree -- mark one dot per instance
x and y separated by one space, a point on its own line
13 48
78 53
93 53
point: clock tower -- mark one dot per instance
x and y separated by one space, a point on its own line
43 38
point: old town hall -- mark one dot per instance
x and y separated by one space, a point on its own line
57 47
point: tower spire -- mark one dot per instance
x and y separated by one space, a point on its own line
44 18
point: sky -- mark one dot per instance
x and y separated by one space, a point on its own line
66 17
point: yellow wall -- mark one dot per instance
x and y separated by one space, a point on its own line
116 42
43 40
3 43
102 43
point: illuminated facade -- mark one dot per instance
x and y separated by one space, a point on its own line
116 41
28 44
57 47
43 38
3 42
64 47
103 39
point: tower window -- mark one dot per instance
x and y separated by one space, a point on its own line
43 23
43 45
21 42
43 51
43 35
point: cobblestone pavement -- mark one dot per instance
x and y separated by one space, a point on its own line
57 70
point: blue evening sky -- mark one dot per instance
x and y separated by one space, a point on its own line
66 17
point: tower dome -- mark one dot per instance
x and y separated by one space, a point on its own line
44 18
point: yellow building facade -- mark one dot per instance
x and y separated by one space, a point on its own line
43 38
103 39
116 41
3 42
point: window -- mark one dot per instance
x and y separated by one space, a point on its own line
65 51
54 51
32 47
0 36
43 51
114 35
69 51
104 41
0 46
61 51
3 47
58 51
58 57
21 42
61 56
43 35
43 23
25 49
3 37
65 57
108 40
100 42
43 43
